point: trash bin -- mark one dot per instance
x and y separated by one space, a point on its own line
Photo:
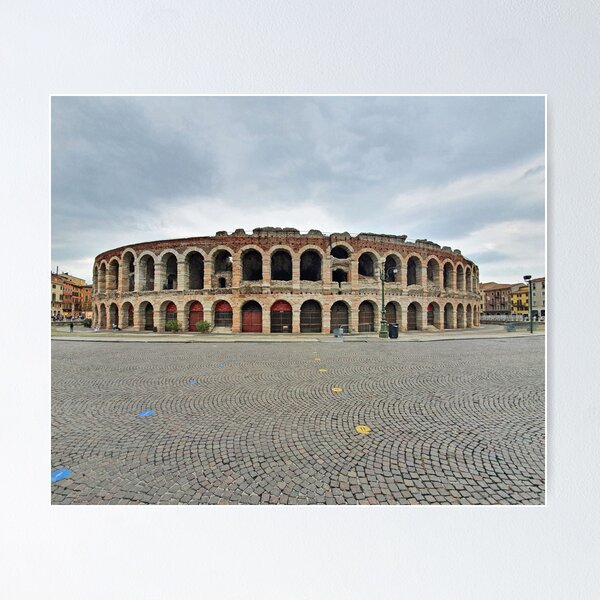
393 330
338 332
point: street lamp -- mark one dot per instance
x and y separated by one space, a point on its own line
384 276
527 279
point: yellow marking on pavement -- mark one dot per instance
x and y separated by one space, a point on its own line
317 359
322 370
364 429
336 389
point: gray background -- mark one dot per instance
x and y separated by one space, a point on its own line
278 47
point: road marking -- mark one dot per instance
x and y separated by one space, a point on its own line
59 474
146 413
364 429
336 389
322 370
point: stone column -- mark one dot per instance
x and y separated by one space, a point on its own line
266 274
236 272
295 274
353 317
101 281
402 273
326 275
354 280
422 319
401 316
326 320
183 275
208 273
424 283
453 280
159 276
236 321
136 276
266 318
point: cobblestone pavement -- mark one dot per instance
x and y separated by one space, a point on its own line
451 422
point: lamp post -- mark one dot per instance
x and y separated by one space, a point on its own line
527 279
384 276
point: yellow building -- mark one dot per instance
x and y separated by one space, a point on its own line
519 299
56 294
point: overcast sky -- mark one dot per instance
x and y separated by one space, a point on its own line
466 172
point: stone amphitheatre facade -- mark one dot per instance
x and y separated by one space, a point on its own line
278 280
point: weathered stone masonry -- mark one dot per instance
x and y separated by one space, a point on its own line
279 280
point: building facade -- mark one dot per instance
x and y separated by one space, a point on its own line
70 296
279 280
496 298
519 299
538 300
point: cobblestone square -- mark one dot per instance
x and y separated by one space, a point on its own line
450 422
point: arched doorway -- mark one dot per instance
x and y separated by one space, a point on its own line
281 266
469 316
448 316
310 266
366 317
310 317
126 315
433 314
102 316
460 316
391 315
281 317
252 266
196 315
113 315
340 317
223 314
148 317
252 317
171 312
413 316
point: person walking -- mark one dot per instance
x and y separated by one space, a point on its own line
71 326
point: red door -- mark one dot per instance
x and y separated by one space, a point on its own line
196 315
252 318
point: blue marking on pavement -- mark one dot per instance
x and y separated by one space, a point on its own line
221 365
193 382
60 474
146 413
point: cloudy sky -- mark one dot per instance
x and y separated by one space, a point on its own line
466 172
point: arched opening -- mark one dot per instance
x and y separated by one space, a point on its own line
448 316
339 276
413 271
195 265
127 315
113 315
281 317
146 273
95 280
281 266
128 272
339 252
433 315
460 278
147 311
310 266
340 317
366 317
391 313
102 278
468 280
222 269
170 312
310 317
170 262
102 316
391 265
223 314
196 315
366 265
96 324
447 275
252 317
460 316
469 316
113 275
433 273
252 266
413 316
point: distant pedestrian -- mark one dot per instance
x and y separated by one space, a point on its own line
71 326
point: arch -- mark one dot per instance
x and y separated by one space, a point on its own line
194 262
469 316
433 315
281 317
340 316
146 273
96 324
223 316
340 251
170 309
468 280
392 262
169 261
413 271
366 317
413 316
252 262
195 315
146 316
310 266
112 282
281 265
95 280
433 272
251 317
460 316
103 317
311 317
222 268
113 315
367 262
448 316
392 312
447 277
128 271
102 278
127 315
460 278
